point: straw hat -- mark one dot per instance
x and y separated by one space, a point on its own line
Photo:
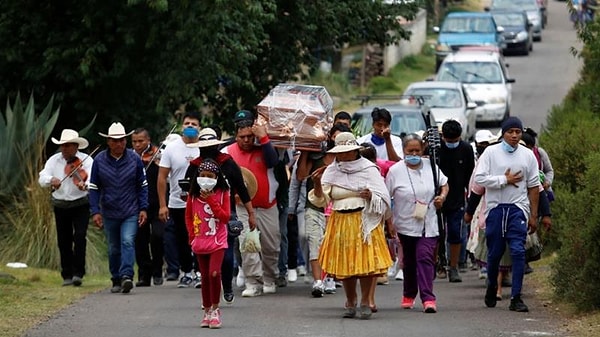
71 136
344 142
250 182
116 131
206 138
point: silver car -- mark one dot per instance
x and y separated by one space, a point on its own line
447 100
532 9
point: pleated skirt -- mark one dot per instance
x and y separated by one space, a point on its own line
343 253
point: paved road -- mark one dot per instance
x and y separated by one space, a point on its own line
543 79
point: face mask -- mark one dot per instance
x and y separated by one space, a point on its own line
412 159
507 147
190 132
452 145
376 140
206 183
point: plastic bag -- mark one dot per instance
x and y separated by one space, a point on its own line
251 243
533 248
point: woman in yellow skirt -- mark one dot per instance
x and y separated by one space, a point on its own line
354 247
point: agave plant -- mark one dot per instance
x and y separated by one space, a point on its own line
21 130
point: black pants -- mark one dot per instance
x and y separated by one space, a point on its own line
71 231
227 266
181 239
292 234
149 248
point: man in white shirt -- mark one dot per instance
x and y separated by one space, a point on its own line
388 146
509 173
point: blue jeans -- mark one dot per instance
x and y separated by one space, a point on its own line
171 253
120 236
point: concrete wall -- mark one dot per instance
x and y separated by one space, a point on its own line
394 53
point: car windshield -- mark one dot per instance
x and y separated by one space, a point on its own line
438 97
509 19
511 4
402 124
471 72
468 25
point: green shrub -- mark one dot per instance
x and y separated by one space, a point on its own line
380 84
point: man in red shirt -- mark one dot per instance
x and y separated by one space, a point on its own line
253 150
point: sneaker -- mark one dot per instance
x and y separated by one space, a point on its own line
197 281
350 312
453 276
490 296
429 307
215 319
383 280
77 281
483 273
185 282
365 312
269 288
205 323
516 304
240 280
441 272
172 277
142 283
329 285
392 270
228 298
463 267
281 281
400 275
157 280
407 302
67 282
251 291
127 285
292 275
302 270
318 289
116 287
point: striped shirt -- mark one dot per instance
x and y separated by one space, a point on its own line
118 187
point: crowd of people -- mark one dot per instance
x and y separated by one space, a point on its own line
349 215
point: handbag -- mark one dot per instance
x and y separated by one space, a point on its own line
234 226
533 248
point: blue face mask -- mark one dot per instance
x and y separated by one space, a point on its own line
376 140
190 132
412 159
507 147
452 145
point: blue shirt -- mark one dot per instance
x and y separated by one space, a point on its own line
118 187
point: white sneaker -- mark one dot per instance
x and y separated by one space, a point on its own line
301 270
318 289
329 284
400 275
391 271
240 280
269 288
292 275
252 291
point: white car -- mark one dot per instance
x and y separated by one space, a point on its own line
485 78
447 100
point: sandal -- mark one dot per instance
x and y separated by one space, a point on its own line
365 312
350 312
373 308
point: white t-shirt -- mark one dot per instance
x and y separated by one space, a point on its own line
381 150
490 170
177 156
403 196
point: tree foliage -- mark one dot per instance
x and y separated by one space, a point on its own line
138 61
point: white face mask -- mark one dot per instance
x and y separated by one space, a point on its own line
206 183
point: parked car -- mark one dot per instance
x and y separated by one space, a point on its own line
535 14
466 29
406 119
517 31
485 78
447 100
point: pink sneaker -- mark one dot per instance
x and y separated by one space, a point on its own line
215 319
429 307
205 323
407 302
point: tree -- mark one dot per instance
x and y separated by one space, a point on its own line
139 61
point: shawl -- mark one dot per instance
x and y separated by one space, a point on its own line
356 175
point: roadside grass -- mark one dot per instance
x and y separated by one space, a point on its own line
574 323
35 295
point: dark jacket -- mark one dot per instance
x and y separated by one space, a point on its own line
458 165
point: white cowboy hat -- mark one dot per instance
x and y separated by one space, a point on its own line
116 131
485 136
207 137
344 142
71 136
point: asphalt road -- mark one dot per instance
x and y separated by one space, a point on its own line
543 79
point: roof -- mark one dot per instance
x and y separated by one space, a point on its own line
392 108
469 14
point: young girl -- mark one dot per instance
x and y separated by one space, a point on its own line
206 215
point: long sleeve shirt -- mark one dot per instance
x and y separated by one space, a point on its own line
118 187
55 168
